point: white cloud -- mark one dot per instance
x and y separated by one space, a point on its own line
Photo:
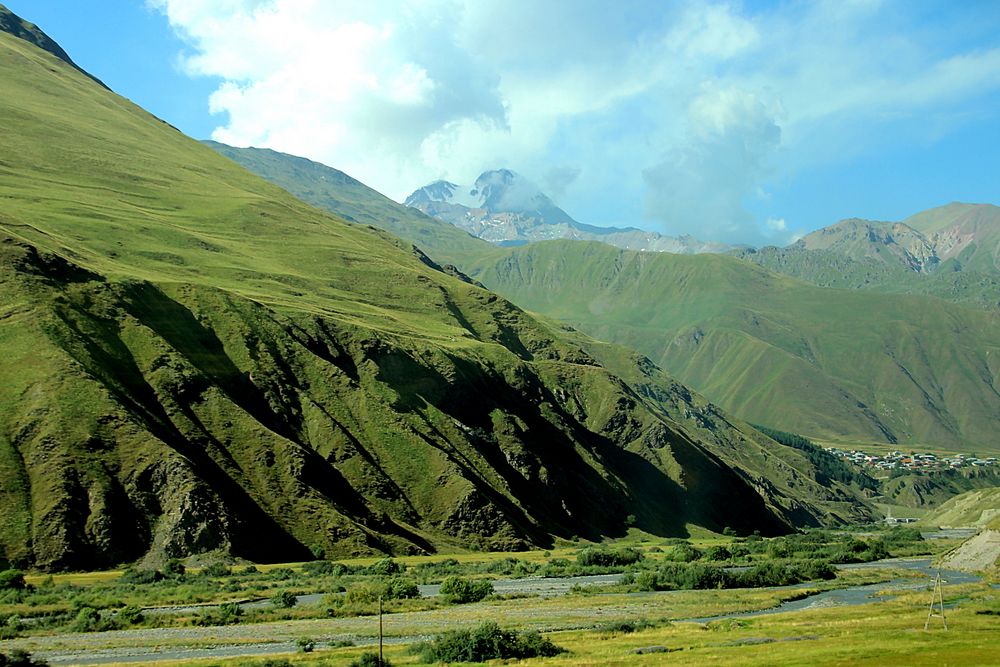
682 112
776 224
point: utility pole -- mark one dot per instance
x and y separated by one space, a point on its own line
937 597
380 663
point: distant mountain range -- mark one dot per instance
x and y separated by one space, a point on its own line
952 252
505 208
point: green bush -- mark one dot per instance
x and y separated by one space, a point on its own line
87 619
175 568
317 568
460 591
683 553
718 553
370 659
12 580
129 616
510 567
486 642
224 614
20 658
216 570
305 644
140 577
623 627
600 557
385 567
284 600
695 576
901 535
396 588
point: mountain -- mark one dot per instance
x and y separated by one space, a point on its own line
952 252
13 24
334 191
978 507
834 364
195 360
505 208
966 236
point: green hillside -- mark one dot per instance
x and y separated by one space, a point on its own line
334 191
195 360
834 364
934 488
980 507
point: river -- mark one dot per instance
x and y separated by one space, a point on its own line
241 639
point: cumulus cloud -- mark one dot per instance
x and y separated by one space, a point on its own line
731 135
640 112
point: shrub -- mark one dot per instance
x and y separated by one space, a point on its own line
20 658
129 616
318 567
608 557
511 567
139 577
12 580
486 642
460 591
683 553
216 570
370 659
399 588
267 662
87 619
718 553
224 614
305 644
284 600
396 588
174 568
900 535
281 573
385 567
623 627
780 549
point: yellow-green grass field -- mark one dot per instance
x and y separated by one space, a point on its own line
883 633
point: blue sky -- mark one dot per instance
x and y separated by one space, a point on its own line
743 122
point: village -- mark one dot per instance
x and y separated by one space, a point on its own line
898 460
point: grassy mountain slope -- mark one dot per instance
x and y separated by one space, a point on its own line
196 360
932 489
334 191
775 351
14 25
979 507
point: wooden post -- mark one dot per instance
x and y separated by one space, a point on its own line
937 596
380 663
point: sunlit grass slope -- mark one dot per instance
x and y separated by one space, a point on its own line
978 507
334 191
835 364
195 360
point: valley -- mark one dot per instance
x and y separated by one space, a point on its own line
254 413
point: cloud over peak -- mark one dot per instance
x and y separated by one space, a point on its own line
675 115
